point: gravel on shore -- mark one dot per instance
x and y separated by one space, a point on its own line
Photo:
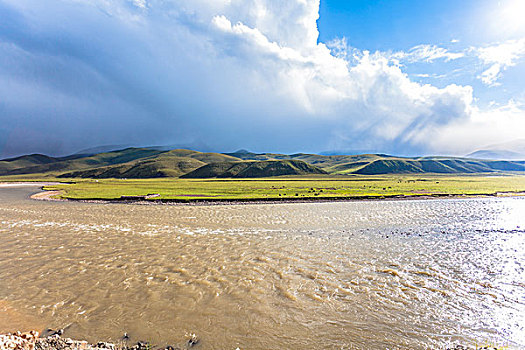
32 341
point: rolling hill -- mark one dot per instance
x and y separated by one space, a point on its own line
251 169
445 166
164 164
163 167
34 164
152 163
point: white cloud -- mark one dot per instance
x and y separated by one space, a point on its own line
491 75
482 127
227 73
505 53
426 53
499 57
140 3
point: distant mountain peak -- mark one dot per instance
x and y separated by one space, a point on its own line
510 150
242 151
102 149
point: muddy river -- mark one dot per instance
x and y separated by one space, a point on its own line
412 274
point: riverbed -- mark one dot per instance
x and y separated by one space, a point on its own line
413 274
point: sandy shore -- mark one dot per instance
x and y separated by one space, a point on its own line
44 195
48 196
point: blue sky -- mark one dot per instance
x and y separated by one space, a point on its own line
397 25
454 25
399 77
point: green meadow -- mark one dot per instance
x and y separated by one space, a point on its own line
186 175
292 188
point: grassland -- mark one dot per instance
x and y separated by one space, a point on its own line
291 188
186 175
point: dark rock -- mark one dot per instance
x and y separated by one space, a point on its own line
193 341
141 346
104 345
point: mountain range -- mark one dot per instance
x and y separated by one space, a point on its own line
154 162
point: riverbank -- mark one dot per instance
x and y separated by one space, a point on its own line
278 189
53 195
32 341
29 184
287 189
48 196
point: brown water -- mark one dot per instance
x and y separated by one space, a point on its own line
354 275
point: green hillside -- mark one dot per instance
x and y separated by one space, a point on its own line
254 169
204 157
29 160
164 165
153 163
60 165
444 166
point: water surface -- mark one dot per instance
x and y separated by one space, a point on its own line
412 274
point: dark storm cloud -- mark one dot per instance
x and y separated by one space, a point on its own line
77 74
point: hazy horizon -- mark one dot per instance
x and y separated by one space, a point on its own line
201 148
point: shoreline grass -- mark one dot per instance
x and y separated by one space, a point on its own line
286 188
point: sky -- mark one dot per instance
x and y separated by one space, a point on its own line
399 77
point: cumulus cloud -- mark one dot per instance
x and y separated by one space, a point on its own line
225 73
482 127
